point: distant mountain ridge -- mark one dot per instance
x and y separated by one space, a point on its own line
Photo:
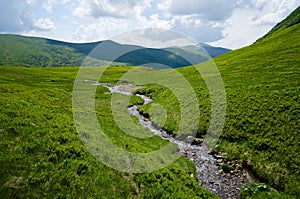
33 52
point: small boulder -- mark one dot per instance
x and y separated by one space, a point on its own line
197 141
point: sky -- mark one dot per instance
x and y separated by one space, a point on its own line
227 23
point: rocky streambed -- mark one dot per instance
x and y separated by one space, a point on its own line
215 173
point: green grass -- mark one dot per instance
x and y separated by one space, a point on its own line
43 157
263 110
16 50
263 115
28 52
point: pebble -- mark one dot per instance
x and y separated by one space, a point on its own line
210 174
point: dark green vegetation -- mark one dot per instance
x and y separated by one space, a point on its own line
18 50
263 114
41 155
38 52
25 51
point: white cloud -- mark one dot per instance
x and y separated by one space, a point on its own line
15 20
200 30
117 8
154 21
100 29
81 12
238 30
164 5
212 10
106 28
252 20
231 23
268 19
154 38
44 24
31 2
48 5
10 16
199 19
269 12
104 21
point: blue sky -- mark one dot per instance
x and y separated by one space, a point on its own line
228 23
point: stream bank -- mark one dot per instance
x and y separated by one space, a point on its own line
215 173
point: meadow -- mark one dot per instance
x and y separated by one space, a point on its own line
263 114
42 155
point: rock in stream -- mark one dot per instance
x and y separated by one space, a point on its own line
224 178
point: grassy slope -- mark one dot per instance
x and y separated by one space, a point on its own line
26 51
16 50
39 52
262 126
263 114
41 155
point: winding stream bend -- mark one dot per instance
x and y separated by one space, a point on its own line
225 183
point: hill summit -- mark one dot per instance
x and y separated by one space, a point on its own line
16 50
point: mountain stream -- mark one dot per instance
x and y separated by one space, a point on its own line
224 182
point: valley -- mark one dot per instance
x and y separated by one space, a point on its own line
44 155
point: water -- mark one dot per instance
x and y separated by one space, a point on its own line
208 166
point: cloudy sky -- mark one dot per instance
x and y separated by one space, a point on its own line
227 23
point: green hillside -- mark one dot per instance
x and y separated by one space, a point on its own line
262 126
26 51
263 113
41 155
16 50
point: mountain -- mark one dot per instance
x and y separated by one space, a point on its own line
16 50
32 51
211 50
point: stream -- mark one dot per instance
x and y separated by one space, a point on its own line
224 182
